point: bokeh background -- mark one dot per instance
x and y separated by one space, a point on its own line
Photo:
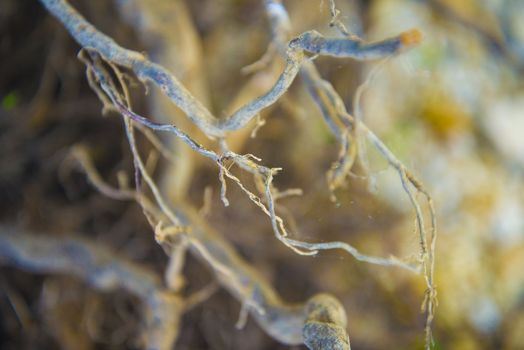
451 109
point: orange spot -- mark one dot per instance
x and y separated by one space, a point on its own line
411 37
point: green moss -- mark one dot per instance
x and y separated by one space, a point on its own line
9 101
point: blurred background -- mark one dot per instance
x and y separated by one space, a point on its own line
452 109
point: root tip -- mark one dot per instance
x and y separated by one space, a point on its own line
411 37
